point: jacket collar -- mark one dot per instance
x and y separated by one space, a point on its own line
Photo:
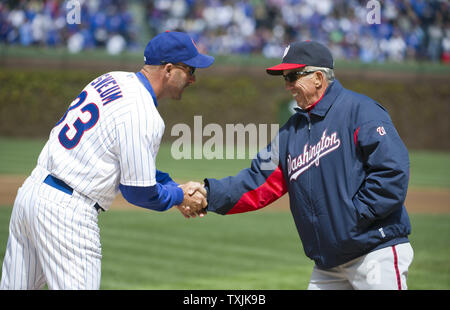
322 105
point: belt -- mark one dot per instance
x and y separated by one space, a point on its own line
58 184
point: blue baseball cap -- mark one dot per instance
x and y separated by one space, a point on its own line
175 47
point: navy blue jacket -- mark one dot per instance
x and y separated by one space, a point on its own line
346 171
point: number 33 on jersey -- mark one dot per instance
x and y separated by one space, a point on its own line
110 134
70 135
88 112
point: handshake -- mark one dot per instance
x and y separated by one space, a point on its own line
194 201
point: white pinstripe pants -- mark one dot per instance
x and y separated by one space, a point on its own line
54 239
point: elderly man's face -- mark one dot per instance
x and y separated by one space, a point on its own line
303 89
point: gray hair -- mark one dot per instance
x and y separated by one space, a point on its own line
329 73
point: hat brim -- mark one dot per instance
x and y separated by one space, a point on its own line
200 61
278 69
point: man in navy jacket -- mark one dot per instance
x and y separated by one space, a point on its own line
346 171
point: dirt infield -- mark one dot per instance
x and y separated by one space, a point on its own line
419 200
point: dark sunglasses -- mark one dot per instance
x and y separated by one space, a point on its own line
293 76
191 70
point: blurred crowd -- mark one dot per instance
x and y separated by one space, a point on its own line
403 29
77 24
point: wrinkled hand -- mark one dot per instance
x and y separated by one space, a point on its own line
194 202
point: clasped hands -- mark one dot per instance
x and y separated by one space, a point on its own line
194 202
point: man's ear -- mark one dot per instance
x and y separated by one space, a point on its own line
318 79
167 68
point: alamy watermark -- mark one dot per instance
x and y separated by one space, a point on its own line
73 15
373 276
374 14
249 140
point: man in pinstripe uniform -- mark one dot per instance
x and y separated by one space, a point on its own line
106 141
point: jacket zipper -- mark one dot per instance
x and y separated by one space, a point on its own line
313 214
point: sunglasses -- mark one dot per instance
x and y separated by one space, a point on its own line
190 70
293 76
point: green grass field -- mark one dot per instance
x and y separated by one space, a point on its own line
254 251
260 250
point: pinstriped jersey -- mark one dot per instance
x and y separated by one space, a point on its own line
110 134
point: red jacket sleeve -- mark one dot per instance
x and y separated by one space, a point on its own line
251 189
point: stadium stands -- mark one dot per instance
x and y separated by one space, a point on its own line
407 29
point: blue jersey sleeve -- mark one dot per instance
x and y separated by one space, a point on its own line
158 197
164 179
